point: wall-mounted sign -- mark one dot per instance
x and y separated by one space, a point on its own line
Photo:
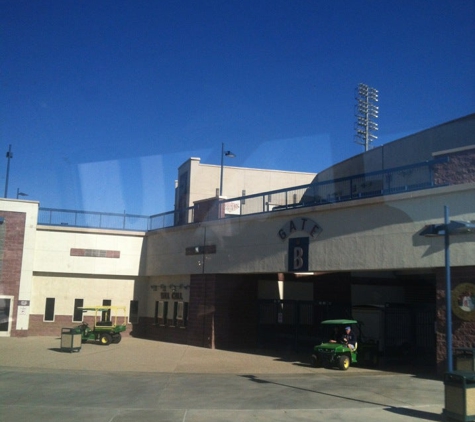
173 296
23 307
300 224
463 301
298 254
200 250
232 207
94 253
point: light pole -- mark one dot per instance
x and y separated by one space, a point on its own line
227 154
449 228
366 112
9 156
18 193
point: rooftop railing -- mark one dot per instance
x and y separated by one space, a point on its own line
378 183
89 219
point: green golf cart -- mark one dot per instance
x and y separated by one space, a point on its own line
332 352
109 323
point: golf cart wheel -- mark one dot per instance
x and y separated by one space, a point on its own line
344 362
116 338
316 362
106 339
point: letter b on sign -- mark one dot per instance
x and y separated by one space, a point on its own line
298 254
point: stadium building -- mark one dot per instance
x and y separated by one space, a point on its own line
262 269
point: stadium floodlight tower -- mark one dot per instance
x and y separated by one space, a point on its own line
366 111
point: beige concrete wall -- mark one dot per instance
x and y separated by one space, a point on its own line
91 289
415 148
205 179
54 244
372 234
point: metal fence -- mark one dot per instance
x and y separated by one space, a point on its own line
101 220
378 183
386 182
171 218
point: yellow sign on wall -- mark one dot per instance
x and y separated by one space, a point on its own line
463 301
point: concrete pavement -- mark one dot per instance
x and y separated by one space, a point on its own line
144 380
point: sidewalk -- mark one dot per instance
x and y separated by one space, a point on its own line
138 355
143 380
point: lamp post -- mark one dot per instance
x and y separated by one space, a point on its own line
227 154
18 193
9 156
367 111
449 228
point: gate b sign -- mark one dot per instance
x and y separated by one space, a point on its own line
298 254
298 246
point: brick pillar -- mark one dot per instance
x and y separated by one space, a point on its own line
12 235
201 311
463 329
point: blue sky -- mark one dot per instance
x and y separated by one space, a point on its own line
103 100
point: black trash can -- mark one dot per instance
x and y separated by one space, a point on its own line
459 396
465 359
71 340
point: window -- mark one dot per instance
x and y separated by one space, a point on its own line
175 313
181 314
5 307
49 309
162 312
78 313
134 311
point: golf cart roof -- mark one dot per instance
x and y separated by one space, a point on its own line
339 322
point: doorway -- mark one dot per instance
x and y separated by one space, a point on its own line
6 310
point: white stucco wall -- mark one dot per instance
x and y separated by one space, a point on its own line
204 179
54 244
379 233
92 290
372 234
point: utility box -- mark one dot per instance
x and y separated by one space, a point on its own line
459 396
465 359
71 340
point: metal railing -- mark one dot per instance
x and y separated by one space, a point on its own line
171 218
378 183
90 219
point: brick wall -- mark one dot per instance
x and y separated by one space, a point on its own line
460 168
463 332
12 253
199 331
146 328
201 311
223 311
11 256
